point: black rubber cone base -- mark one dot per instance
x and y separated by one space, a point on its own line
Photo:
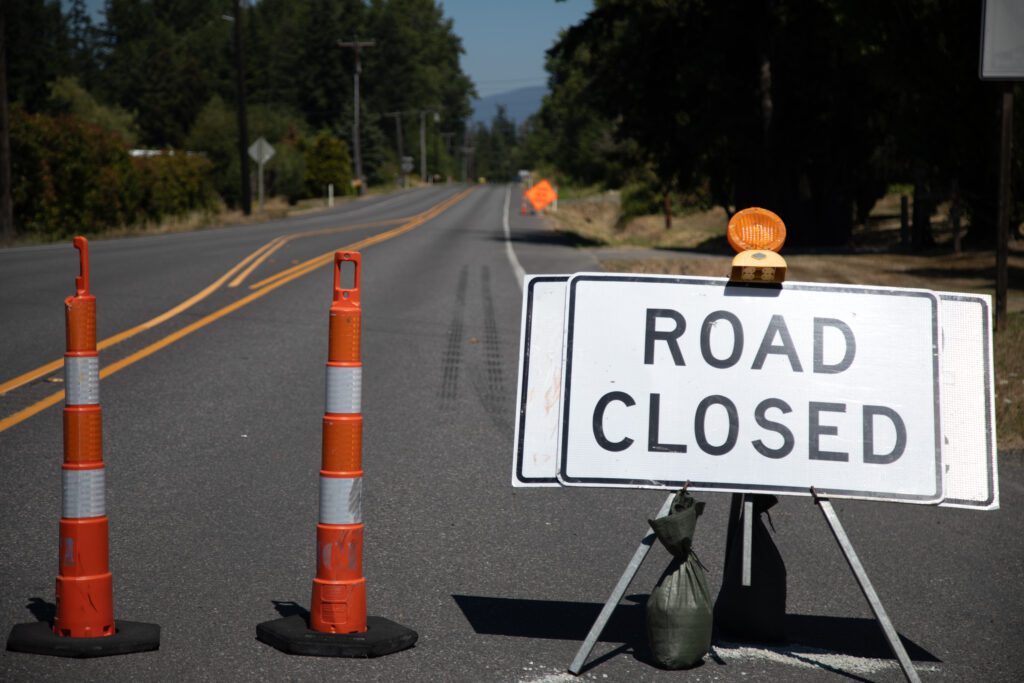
291 635
38 638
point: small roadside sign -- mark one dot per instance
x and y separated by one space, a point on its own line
1002 40
541 194
407 164
261 151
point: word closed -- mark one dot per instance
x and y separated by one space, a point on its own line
669 380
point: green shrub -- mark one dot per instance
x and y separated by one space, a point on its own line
286 173
70 176
640 198
173 184
327 161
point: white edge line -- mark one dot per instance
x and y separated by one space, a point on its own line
517 268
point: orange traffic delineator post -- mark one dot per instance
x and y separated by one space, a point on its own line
338 625
84 624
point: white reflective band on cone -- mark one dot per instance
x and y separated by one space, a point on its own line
341 500
81 380
84 493
344 389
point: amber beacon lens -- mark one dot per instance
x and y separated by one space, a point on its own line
756 228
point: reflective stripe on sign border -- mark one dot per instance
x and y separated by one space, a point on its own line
84 493
81 380
341 500
344 389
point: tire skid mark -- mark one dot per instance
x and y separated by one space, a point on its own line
493 394
451 359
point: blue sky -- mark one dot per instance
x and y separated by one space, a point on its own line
504 40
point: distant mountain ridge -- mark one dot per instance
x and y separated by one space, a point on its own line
520 104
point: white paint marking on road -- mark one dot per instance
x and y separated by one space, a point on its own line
550 678
517 268
812 658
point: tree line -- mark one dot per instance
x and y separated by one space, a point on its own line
812 108
162 75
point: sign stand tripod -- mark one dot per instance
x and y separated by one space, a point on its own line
865 586
756 236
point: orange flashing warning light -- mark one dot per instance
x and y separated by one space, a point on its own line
757 234
756 228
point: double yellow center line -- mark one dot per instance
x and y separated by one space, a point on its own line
261 288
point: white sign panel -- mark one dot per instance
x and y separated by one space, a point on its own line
968 419
669 380
261 151
971 478
540 381
1002 40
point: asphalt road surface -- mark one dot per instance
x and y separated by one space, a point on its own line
212 445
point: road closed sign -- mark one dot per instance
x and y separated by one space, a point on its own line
670 380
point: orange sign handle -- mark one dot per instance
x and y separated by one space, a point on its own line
82 281
355 258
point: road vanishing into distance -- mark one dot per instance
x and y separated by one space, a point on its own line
213 395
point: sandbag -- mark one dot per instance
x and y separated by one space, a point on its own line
679 608
756 612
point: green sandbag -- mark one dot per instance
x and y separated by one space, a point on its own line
679 608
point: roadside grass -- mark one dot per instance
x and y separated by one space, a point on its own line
696 245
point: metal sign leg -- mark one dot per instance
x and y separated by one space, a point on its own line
748 533
867 588
617 592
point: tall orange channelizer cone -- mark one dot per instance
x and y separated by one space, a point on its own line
338 625
84 625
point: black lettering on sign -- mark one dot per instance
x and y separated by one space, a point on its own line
700 418
819 346
815 430
670 337
737 339
787 436
653 427
777 326
872 458
599 436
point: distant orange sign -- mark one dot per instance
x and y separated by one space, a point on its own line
541 194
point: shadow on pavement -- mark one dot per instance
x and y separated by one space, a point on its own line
42 610
288 608
547 237
558 620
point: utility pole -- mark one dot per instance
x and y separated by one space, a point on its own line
357 155
6 213
243 126
397 116
1003 210
467 152
423 140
